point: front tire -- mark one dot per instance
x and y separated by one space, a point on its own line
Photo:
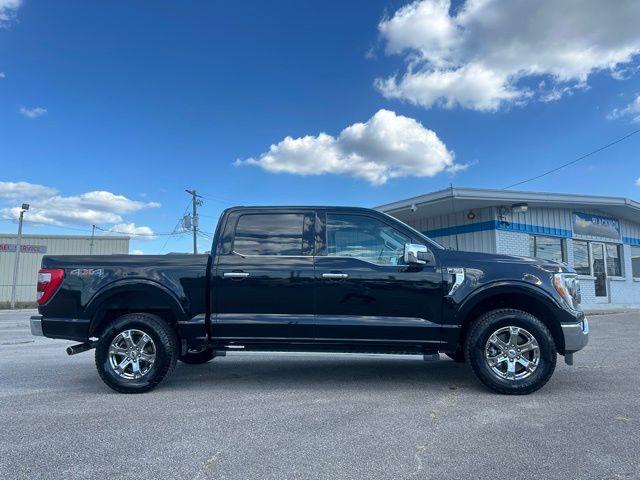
136 352
511 351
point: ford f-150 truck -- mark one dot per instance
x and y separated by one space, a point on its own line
328 279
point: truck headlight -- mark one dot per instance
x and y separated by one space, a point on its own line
568 287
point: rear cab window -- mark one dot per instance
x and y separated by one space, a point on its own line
274 234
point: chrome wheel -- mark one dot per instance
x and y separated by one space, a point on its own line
512 353
132 353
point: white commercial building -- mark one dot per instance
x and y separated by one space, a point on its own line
598 236
34 247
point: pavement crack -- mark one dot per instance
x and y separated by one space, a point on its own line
419 450
17 342
206 466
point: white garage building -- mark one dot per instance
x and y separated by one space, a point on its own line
598 236
34 247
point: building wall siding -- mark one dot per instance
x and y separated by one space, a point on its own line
474 235
630 232
56 245
588 291
624 291
512 243
501 230
544 221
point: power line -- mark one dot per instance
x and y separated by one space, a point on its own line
175 228
88 231
593 152
84 230
155 234
218 198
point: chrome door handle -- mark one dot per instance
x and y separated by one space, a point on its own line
235 274
335 275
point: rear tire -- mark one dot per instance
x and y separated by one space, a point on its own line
136 352
511 351
198 357
457 356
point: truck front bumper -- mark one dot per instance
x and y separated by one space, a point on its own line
67 328
576 335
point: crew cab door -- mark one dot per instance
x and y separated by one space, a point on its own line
262 288
365 292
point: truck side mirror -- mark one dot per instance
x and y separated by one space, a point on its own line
416 254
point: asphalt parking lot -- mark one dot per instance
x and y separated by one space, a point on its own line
318 416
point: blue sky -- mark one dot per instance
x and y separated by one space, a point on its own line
139 100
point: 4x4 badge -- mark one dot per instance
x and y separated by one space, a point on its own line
87 272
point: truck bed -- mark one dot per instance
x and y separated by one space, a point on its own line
89 280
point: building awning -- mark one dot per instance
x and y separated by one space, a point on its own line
451 200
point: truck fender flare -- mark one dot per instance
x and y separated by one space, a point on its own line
130 285
500 288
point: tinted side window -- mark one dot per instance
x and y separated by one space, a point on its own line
270 234
366 238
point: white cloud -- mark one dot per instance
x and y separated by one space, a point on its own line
2 75
492 53
47 207
34 112
144 233
631 111
25 191
638 182
8 11
137 252
386 146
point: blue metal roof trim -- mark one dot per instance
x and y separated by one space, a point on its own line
497 225
469 228
524 228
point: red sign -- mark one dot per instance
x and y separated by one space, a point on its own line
11 247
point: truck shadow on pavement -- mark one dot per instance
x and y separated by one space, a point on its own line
357 373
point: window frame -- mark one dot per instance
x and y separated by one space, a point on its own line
589 257
322 239
563 246
620 249
631 247
370 217
309 252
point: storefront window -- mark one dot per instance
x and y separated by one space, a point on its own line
581 257
635 260
614 265
549 248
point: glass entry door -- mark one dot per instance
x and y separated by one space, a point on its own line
599 268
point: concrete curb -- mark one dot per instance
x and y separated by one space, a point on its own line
611 311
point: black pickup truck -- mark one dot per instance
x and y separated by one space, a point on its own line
329 279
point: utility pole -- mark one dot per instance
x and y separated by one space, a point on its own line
93 233
16 264
194 219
